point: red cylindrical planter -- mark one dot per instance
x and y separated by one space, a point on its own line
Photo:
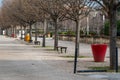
99 51
12 35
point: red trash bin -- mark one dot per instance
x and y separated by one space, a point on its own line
12 35
99 51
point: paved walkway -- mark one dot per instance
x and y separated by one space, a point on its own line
20 61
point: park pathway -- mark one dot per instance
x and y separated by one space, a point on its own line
19 61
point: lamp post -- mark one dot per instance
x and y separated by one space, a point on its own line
88 25
103 17
87 19
94 16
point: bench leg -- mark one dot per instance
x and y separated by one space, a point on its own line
61 50
37 43
65 50
57 49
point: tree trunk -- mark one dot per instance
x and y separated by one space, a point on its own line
6 33
36 32
30 33
56 34
113 34
45 26
77 44
24 32
11 31
0 31
21 33
77 37
14 30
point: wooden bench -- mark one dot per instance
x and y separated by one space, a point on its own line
37 42
61 48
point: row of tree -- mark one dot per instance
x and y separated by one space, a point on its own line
27 12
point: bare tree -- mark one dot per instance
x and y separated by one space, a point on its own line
24 12
6 19
56 11
109 7
77 10
42 17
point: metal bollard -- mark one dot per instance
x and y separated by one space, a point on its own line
116 60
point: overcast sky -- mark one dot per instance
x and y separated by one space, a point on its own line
0 2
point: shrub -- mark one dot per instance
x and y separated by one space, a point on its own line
70 33
106 28
92 33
